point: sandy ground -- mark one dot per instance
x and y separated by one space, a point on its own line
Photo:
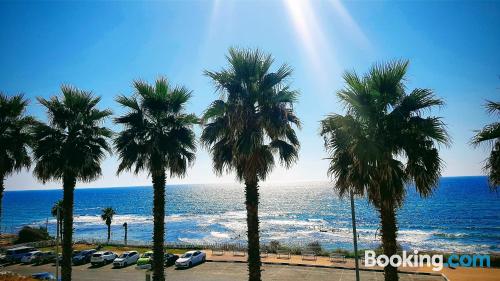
458 274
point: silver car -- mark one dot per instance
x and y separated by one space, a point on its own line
190 258
127 258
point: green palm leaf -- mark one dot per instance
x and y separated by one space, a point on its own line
490 135
252 122
15 137
70 147
157 137
384 143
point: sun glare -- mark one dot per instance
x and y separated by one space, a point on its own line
312 34
349 23
309 31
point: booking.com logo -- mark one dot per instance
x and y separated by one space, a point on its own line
421 260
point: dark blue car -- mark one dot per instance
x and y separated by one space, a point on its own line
44 276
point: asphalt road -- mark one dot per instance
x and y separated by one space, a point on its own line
216 271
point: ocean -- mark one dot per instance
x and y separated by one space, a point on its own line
463 215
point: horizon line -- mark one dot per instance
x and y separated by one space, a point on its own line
208 183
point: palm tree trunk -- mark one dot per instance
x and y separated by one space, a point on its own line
159 226
69 183
61 228
389 234
252 205
126 230
354 236
2 188
109 232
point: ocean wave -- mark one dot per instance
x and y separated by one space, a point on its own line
231 227
467 235
220 235
451 235
89 220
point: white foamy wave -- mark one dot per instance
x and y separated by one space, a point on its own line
217 234
286 228
119 219
88 220
291 223
317 220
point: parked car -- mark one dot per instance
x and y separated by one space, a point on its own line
170 259
145 259
127 258
29 257
14 255
35 257
83 257
43 276
100 258
75 253
190 258
44 257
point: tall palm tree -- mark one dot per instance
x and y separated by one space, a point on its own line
15 137
107 216
58 205
158 138
70 147
490 134
384 143
125 226
251 122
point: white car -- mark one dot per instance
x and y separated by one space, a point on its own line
127 258
28 257
101 258
190 258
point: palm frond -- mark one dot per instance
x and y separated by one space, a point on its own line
74 141
376 151
492 107
489 134
252 120
416 101
15 134
157 134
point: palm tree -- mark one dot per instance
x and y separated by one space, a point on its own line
251 122
15 137
157 138
70 147
384 143
107 216
58 205
490 134
125 226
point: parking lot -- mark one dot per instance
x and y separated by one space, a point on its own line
216 271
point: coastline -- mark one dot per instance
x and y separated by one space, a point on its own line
225 183
293 214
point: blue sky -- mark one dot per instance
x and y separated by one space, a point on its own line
103 46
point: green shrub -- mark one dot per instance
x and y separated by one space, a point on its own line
272 247
316 247
30 234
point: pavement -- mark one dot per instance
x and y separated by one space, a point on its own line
218 271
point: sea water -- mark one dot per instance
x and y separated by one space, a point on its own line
462 215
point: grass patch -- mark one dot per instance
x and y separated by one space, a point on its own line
116 249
